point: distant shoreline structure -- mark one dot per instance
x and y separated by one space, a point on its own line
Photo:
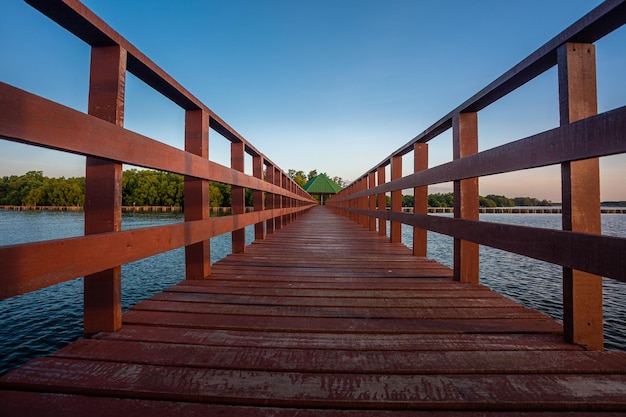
433 210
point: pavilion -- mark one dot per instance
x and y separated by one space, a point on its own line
322 187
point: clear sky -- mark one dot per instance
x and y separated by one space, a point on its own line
332 85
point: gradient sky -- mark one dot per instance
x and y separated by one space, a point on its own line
329 85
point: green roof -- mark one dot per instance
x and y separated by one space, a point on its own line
321 185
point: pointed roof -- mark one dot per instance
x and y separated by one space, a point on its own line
321 185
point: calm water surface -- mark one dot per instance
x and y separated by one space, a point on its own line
41 322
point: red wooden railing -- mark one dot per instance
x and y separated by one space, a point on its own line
582 137
100 136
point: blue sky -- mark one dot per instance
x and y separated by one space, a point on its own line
329 85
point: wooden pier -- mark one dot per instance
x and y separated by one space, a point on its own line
324 314
323 318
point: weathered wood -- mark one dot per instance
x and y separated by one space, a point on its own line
465 143
103 189
396 199
580 188
272 333
197 196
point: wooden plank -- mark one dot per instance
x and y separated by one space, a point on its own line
417 302
435 312
339 324
344 341
346 361
64 405
360 391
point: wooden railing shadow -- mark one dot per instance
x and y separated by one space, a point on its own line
583 137
101 137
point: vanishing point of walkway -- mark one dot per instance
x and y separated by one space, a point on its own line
323 318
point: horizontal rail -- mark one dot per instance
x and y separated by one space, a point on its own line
32 266
30 119
596 136
596 254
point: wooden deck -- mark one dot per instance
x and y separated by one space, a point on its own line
324 318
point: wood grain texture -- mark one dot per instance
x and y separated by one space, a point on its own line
323 317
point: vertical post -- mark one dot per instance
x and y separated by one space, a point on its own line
198 255
396 198
580 182
278 199
238 196
257 171
382 201
372 200
360 201
465 143
269 177
420 199
103 189
285 199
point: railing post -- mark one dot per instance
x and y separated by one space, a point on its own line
198 255
285 199
238 195
197 198
420 199
382 201
396 199
103 189
582 292
372 200
362 201
278 199
465 143
259 205
270 198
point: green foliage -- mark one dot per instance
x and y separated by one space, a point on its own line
441 200
486 202
33 189
152 188
500 201
530 202
298 177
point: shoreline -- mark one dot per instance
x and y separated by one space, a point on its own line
432 210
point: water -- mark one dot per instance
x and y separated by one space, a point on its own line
44 321
41 322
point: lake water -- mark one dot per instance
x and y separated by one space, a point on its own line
41 322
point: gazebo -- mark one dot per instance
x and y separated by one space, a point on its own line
321 187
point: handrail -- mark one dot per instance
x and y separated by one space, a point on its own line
583 137
98 255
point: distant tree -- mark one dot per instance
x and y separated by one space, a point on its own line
312 174
339 181
500 200
486 202
441 200
530 202
407 201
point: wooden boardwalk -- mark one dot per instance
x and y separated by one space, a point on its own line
323 318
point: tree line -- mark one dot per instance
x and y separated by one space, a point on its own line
157 188
139 188
491 200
